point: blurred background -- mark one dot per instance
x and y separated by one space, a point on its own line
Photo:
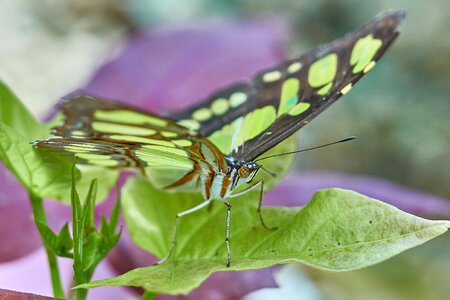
400 111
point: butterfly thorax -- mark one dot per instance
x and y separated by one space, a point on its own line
220 185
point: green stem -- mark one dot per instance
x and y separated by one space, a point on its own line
39 216
81 277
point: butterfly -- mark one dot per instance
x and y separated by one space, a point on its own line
215 146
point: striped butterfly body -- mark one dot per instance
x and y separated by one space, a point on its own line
214 146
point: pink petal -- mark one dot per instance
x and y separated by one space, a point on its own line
18 234
161 69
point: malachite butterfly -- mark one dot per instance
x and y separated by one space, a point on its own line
213 146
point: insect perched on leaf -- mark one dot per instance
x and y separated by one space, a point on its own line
216 146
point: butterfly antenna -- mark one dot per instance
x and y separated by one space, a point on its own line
350 138
269 172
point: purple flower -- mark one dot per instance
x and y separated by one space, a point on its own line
171 69
18 233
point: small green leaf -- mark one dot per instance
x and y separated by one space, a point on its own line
114 217
109 233
65 242
338 230
47 235
96 243
104 227
60 244
88 208
93 250
115 238
77 226
91 238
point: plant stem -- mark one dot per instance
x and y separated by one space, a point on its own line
39 216
79 294
81 277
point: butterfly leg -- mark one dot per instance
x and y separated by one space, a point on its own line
259 184
261 196
179 215
227 232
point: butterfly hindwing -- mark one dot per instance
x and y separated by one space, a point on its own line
111 134
247 120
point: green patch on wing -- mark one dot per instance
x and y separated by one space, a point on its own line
121 129
363 52
322 72
128 116
223 138
299 109
289 95
235 134
369 232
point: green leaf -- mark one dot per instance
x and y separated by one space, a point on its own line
94 249
91 238
97 244
40 176
114 216
65 242
338 230
17 129
60 244
14 114
44 175
48 236
88 208
77 227
109 230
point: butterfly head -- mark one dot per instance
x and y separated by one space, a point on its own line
245 170
248 170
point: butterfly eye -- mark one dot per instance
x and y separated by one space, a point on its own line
244 171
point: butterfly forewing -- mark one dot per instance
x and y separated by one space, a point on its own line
247 120
243 121
87 117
